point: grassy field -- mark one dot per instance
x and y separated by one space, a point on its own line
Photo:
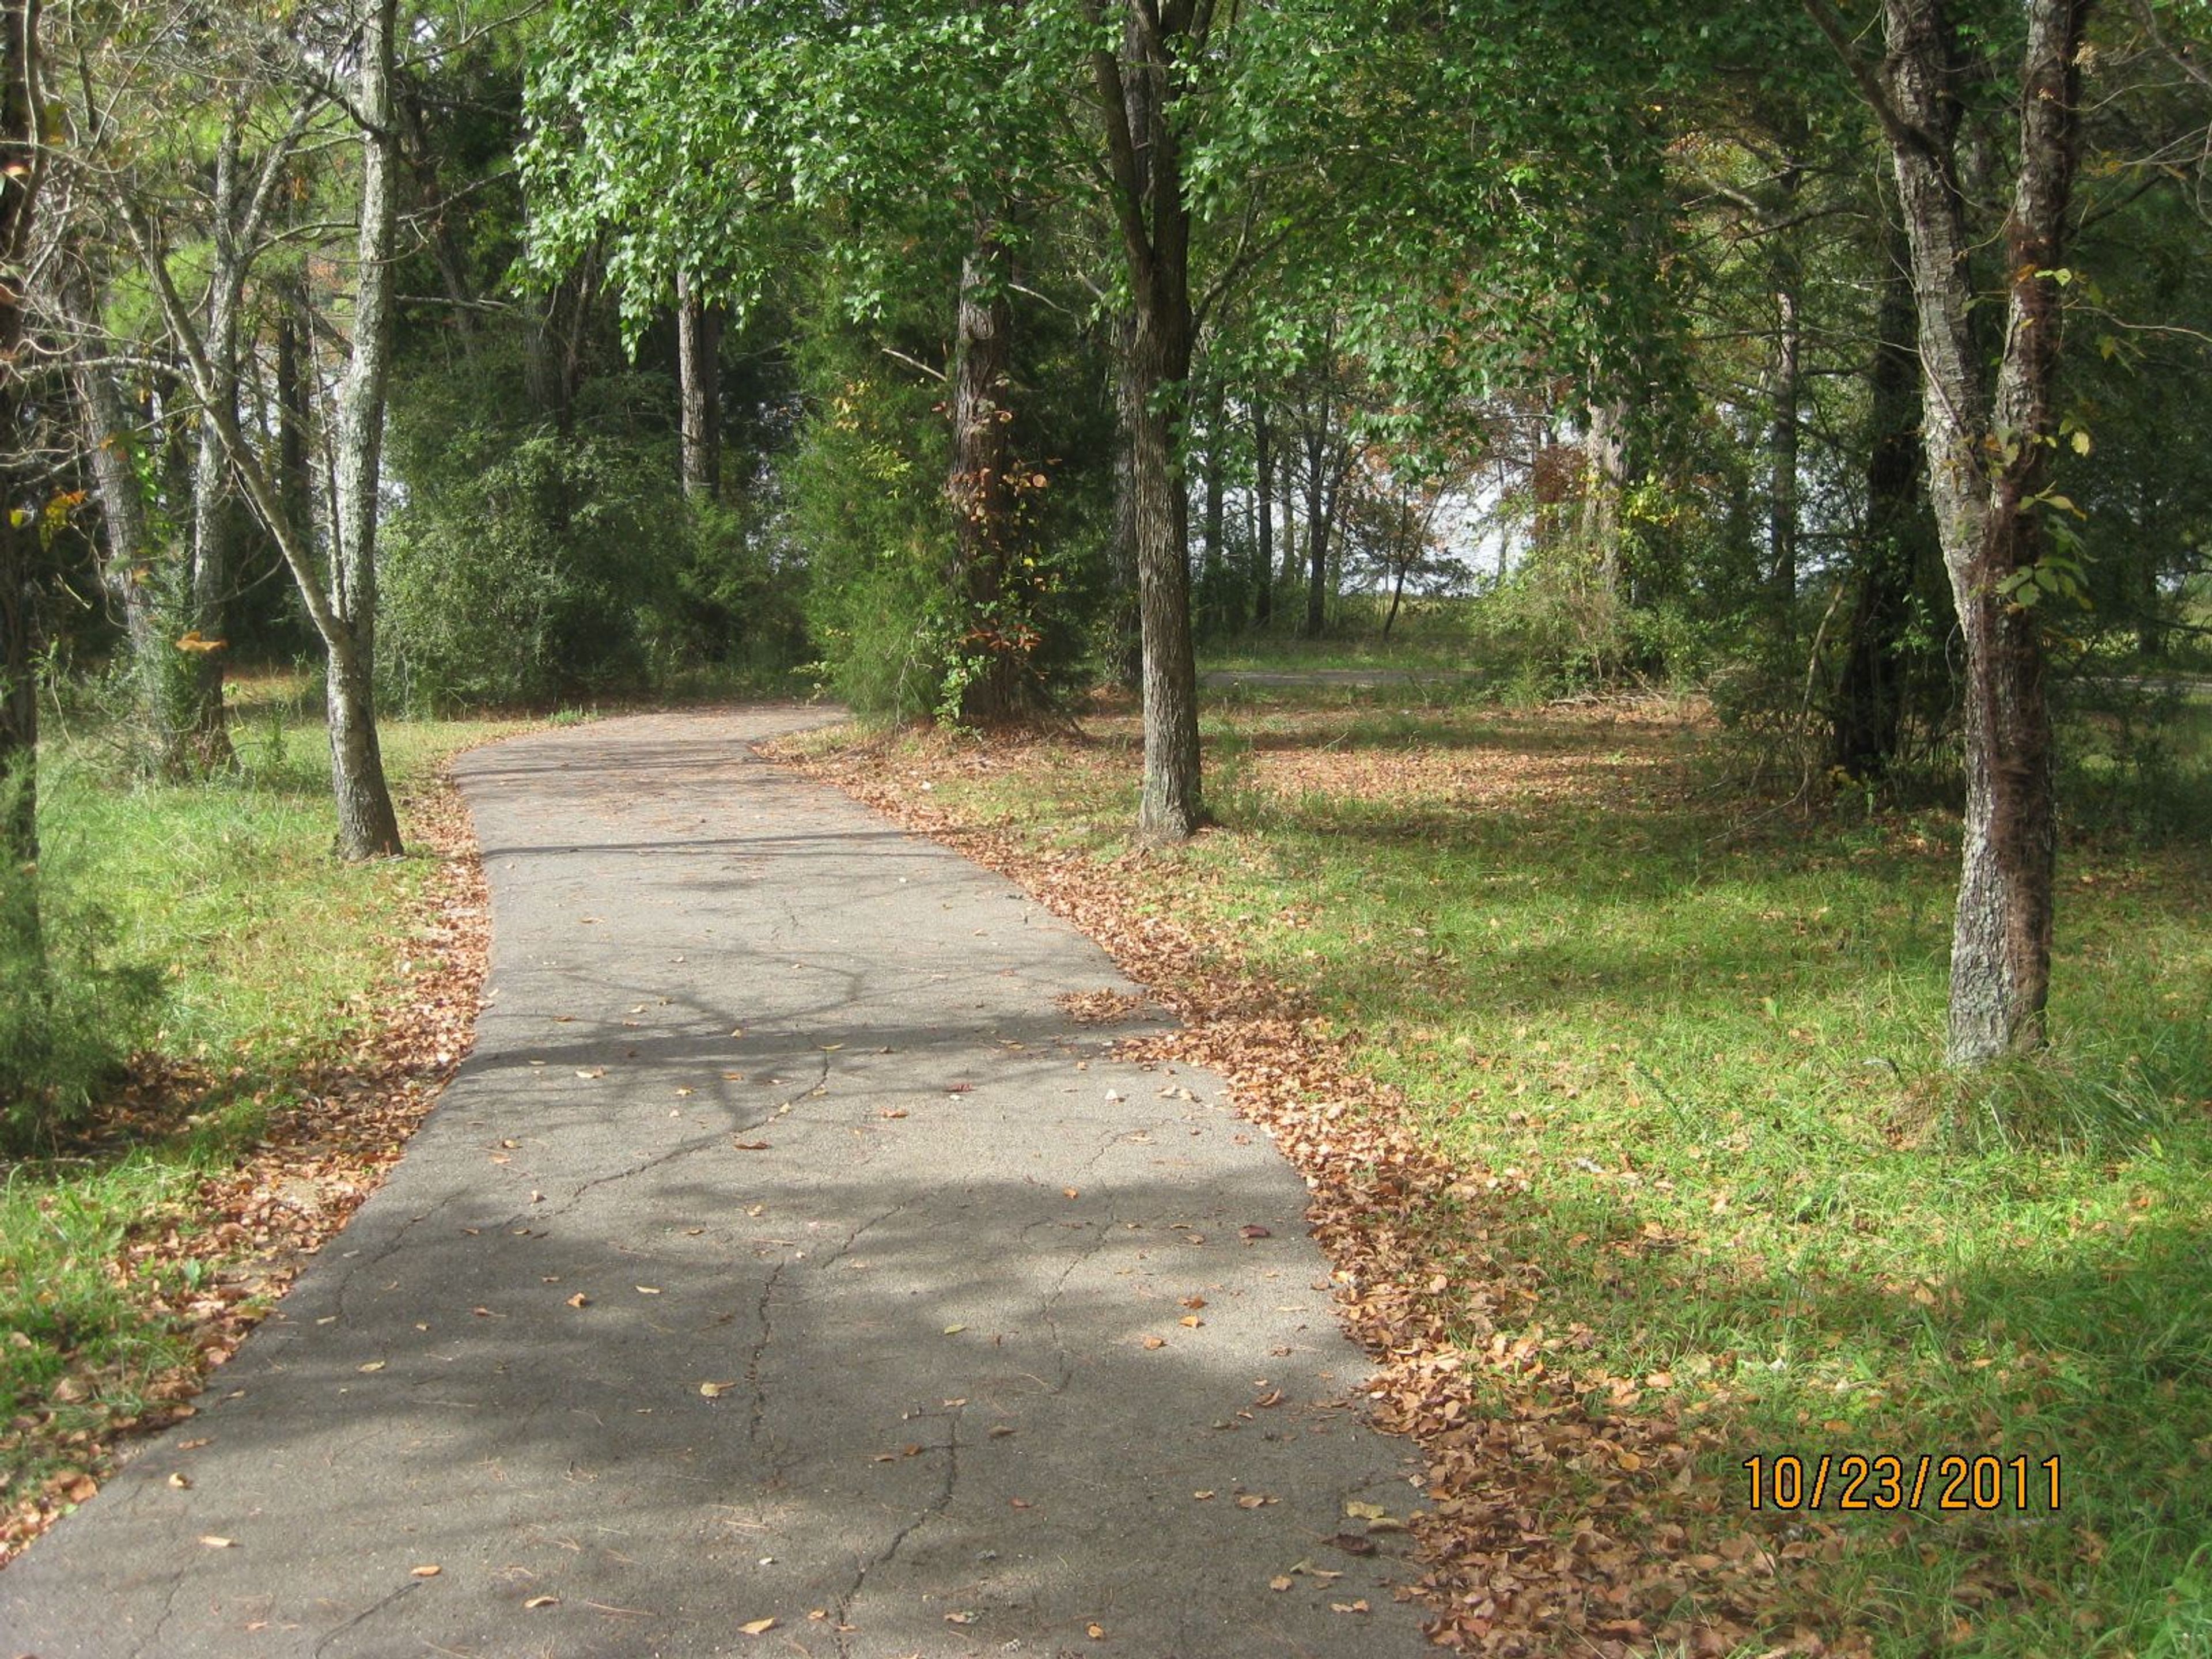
1684 1046
275 963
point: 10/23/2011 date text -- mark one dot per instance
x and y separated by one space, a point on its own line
1948 1483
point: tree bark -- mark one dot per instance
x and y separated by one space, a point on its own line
698 366
1988 450
1144 151
368 826
126 568
1781 448
20 935
1868 721
1214 485
996 643
1263 520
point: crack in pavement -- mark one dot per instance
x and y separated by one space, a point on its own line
758 1419
364 1616
883 1557
353 1270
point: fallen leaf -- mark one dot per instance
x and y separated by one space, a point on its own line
214 1542
1359 1511
1194 1302
1071 1192
1096 1632
1156 1342
715 1391
1281 1582
648 1289
1252 1500
682 1093
1353 1543
758 1627
1202 1495
580 1300
373 1365
1255 1230
1359 1606
1190 1322
750 1145
542 1601
427 1570
959 1618
181 1481
892 1111
954 1330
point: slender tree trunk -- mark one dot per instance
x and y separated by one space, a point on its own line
368 826
698 360
1214 485
980 489
1988 450
1263 518
1317 523
1782 448
21 939
1605 479
126 569
296 479
1125 638
1869 712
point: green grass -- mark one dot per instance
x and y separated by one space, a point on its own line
1688 1017
271 957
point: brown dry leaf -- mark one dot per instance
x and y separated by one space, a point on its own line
646 1289
1071 1192
428 1570
1280 1581
960 1617
180 1480
215 1541
1203 1494
750 1145
954 1330
1156 1342
892 1112
1252 1500
1096 1632
1359 1606
373 1365
1252 1230
715 1391
758 1627
536 1602
1190 1322
1194 1302
580 1300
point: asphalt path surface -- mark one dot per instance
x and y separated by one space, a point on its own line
784 1251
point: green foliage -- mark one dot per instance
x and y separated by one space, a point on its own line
539 581
864 488
73 1002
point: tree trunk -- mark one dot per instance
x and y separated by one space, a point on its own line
1782 449
698 365
1989 453
296 479
1138 92
368 826
21 939
1318 524
126 568
1869 711
1210 521
1125 638
995 644
1263 520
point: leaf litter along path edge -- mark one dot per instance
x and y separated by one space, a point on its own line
783 1252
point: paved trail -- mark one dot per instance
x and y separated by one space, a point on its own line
784 1099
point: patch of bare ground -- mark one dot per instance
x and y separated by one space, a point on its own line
245 1231
1568 1508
